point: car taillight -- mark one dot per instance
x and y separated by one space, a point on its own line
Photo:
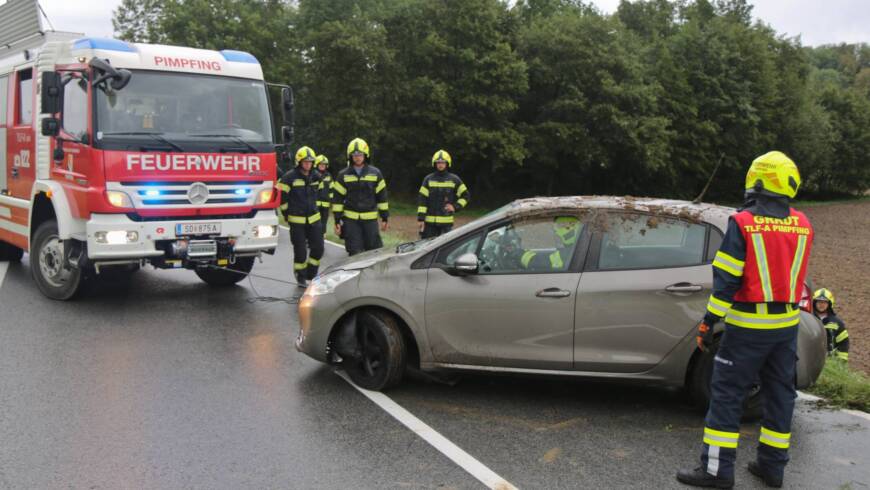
806 303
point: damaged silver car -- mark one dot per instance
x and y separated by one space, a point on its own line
598 287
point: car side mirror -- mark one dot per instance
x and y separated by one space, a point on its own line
466 264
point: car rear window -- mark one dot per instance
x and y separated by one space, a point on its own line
635 241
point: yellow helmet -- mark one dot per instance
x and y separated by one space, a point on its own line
824 295
357 144
774 173
305 153
567 228
442 156
321 159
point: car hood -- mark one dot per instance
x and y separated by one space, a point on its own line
363 260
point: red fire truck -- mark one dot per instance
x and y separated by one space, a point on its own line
115 155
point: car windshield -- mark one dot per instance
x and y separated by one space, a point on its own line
411 246
185 109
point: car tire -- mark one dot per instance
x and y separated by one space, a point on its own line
380 360
226 276
10 252
699 386
53 276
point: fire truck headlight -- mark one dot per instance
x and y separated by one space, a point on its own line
117 237
119 199
265 231
264 196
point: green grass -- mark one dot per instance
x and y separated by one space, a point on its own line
843 387
390 239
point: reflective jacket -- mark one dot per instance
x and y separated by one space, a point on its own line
362 196
299 196
324 197
838 336
556 261
439 189
759 271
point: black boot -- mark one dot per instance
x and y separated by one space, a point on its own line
700 478
301 280
768 479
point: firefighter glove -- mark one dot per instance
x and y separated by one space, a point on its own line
704 337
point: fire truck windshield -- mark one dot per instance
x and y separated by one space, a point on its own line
196 112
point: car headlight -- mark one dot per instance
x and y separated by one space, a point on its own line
326 284
119 199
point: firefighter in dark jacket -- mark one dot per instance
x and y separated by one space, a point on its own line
299 191
441 196
359 198
324 195
838 336
758 277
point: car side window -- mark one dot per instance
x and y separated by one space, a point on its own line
447 256
638 241
529 246
713 243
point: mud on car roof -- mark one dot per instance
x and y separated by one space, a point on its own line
686 210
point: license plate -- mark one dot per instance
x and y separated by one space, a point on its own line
198 229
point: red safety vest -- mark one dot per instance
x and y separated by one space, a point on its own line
777 252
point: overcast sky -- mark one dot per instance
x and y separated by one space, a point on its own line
816 21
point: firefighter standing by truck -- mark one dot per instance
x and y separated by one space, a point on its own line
441 196
835 328
324 195
359 198
299 192
758 277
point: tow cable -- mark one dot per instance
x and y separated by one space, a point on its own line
258 298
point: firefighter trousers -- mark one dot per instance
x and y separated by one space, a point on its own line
361 235
432 229
324 217
304 238
745 357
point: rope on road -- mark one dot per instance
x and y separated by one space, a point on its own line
258 298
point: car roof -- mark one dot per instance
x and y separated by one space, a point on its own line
687 210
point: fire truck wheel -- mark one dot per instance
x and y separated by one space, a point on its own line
10 252
226 276
54 277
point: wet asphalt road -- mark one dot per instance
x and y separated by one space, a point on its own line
162 382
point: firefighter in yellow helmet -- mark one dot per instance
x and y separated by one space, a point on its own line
567 230
299 191
359 198
838 336
324 196
440 197
758 278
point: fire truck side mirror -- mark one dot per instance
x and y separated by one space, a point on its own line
50 126
52 88
286 135
287 105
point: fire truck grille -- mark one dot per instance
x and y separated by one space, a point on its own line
181 195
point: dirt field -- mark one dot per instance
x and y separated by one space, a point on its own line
840 261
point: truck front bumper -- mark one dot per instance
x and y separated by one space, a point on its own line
134 239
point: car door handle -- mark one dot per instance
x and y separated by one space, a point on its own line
684 287
553 293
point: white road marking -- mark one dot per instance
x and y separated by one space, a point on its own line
806 396
4 266
465 461
327 241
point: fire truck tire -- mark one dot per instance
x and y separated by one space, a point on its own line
226 276
10 252
53 276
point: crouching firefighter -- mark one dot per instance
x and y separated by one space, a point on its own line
299 193
758 277
441 196
359 198
835 328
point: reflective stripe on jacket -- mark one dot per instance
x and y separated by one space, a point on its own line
362 196
299 196
437 190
